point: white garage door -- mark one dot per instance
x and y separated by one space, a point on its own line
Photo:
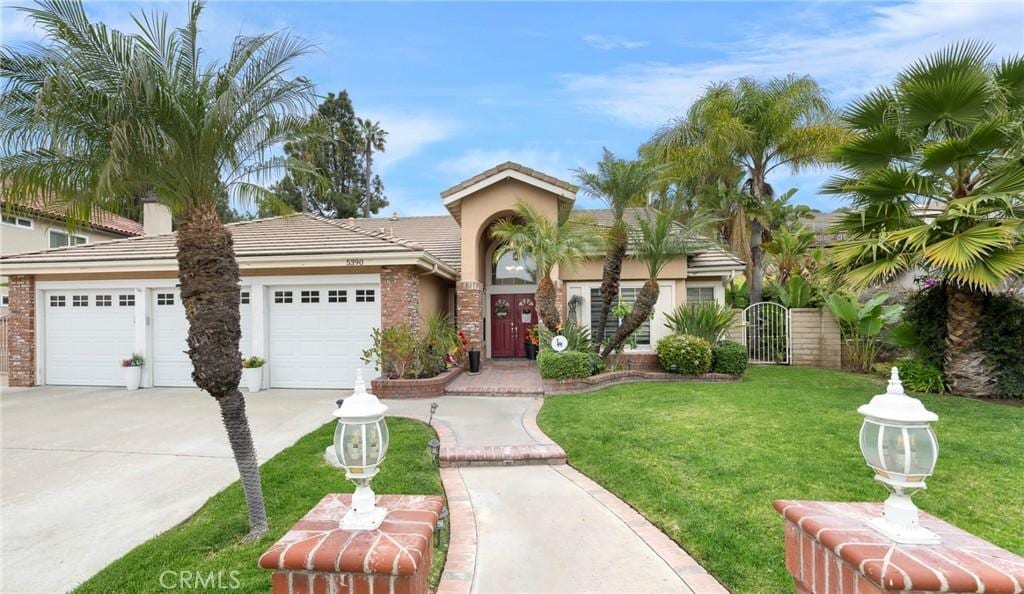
318 333
171 365
87 335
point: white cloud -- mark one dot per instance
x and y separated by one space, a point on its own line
472 162
408 134
603 42
847 60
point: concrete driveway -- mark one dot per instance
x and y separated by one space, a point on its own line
89 473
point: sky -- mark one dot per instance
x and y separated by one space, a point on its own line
461 87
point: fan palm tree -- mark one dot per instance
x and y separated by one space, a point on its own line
620 184
753 127
374 139
936 174
97 114
532 235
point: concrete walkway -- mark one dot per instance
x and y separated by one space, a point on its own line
542 528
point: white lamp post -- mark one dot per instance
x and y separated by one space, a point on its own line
899 444
361 442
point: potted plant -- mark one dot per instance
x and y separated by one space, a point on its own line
532 343
252 370
132 371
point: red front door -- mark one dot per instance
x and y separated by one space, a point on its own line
512 316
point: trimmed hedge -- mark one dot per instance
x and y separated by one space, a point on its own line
729 357
565 365
684 354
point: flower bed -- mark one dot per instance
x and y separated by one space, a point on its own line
612 378
415 388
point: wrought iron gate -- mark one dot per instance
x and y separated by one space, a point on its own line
766 333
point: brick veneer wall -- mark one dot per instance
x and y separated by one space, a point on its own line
414 388
21 330
400 296
469 315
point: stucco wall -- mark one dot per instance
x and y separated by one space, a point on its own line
434 295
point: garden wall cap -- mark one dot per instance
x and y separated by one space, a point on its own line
896 406
361 404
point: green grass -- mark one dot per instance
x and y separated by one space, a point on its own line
293 482
705 461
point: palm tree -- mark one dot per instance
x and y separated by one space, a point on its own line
532 235
374 139
755 128
935 172
97 114
791 249
620 184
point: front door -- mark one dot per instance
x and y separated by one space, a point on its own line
512 317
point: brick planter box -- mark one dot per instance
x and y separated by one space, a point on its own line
414 388
612 378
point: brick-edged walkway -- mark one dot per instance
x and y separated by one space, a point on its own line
500 377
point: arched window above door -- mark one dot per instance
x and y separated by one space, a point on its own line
512 270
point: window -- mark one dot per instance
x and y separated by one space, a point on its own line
310 296
700 295
60 239
4 301
627 295
365 296
126 300
282 296
17 221
337 296
244 299
104 300
165 298
58 301
80 301
512 270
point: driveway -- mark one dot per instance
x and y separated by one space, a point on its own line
89 473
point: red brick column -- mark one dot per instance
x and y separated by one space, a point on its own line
830 550
400 296
317 557
469 312
21 330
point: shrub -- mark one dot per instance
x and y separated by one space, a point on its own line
577 336
926 314
1002 338
565 365
439 343
729 357
709 321
681 353
921 375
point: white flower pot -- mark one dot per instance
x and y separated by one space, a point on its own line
253 377
132 377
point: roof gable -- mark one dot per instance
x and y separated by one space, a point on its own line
507 170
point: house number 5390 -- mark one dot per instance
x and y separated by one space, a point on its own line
353 261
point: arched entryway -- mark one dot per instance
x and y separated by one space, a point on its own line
512 308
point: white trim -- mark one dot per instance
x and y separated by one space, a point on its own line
31 223
666 295
718 286
510 174
50 232
157 283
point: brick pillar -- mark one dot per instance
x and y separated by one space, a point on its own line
400 296
469 311
830 550
317 556
21 330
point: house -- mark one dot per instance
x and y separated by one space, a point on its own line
34 227
314 288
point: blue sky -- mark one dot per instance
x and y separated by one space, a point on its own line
463 86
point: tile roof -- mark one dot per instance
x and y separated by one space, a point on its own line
100 219
508 166
439 235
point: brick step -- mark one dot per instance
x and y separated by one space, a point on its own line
515 455
496 393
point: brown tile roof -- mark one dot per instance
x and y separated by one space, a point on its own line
439 235
100 219
508 166
292 235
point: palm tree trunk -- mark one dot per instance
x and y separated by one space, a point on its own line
208 273
756 261
610 278
369 181
642 308
965 365
547 304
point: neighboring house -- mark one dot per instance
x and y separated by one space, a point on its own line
313 289
35 227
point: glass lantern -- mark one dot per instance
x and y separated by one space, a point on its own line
361 443
898 443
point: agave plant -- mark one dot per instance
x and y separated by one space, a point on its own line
710 321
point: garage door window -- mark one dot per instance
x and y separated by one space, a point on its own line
310 296
126 300
244 300
282 296
365 296
80 301
57 301
337 296
104 300
165 298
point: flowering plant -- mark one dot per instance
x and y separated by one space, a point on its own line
533 336
135 360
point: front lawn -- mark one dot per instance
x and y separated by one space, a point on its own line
705 461
293 482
